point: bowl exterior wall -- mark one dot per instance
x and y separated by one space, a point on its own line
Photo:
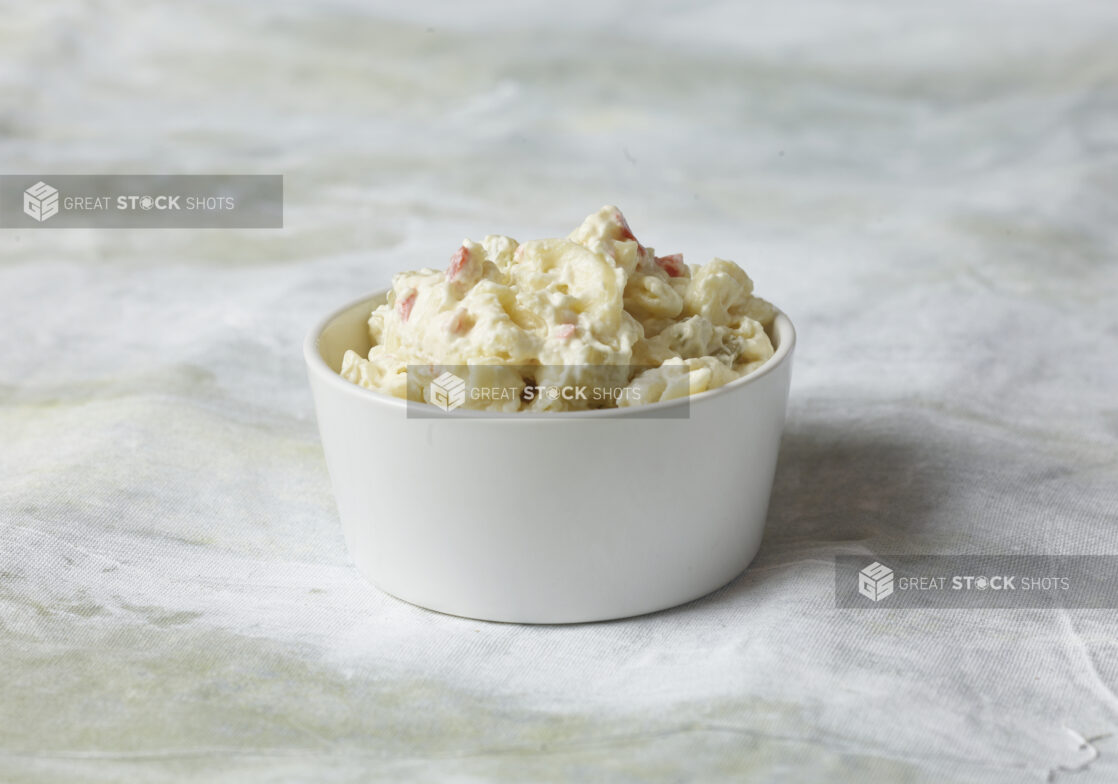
553 521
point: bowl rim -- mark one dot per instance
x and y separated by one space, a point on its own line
317 366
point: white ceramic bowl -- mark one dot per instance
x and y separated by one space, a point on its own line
580 516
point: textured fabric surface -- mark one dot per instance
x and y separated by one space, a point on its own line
929 190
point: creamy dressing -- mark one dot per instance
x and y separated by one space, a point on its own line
597 308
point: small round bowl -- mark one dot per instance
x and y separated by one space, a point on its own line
569 517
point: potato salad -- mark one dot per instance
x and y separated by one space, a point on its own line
596 309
